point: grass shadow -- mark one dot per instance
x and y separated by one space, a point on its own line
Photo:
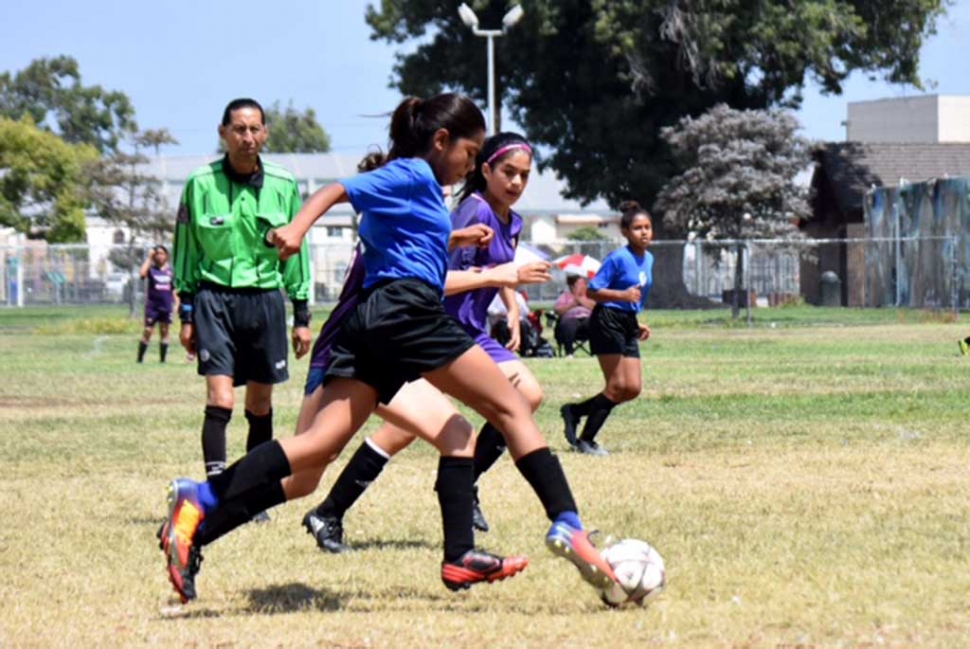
394 544
293 597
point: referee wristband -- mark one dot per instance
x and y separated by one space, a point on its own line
185 313
301 314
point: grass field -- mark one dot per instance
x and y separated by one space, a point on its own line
806 480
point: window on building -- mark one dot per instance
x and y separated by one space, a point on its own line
118 237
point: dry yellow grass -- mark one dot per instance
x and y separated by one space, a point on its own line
806 486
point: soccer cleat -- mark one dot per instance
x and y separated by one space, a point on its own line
177 534
327 530
478 518
964 347
476 566
571 421
573 544
590 448
261 517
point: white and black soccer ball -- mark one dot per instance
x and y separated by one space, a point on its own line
640 573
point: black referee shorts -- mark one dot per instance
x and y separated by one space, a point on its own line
612 331
398 332
241 333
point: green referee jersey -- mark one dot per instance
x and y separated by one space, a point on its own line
221 228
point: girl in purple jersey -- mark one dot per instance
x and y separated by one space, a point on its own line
160 300
475 275
398 332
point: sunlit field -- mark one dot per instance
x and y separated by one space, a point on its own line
806 480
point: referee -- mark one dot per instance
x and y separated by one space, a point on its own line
229 280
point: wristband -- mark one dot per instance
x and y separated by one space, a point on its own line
301 314
185 313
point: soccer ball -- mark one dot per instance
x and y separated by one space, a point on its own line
640 573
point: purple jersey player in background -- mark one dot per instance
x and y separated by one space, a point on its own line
160 300
475 276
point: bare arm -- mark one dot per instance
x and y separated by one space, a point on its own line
290 237
631 294
145 265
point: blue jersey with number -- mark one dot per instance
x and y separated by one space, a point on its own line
406 225
620 270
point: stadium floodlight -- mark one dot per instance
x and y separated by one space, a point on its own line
468 15
511 17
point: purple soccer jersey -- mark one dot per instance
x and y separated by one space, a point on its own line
347 302
159 298
471 308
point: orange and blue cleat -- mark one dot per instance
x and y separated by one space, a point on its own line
573 544
476 566
185 514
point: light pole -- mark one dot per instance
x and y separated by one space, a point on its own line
468 17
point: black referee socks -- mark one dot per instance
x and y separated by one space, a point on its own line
214 439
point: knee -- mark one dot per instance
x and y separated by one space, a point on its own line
259 403
221 398
629 392
534 397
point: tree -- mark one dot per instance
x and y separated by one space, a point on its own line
51 93
41 182
595 81
291 131
123 193
738 182
590 241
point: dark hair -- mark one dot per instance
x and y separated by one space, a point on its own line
572 279
162 248
494 144
243 102
629 210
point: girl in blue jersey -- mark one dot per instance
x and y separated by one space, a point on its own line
475 276
619 289
398 332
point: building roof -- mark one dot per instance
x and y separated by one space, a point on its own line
544 194
853 168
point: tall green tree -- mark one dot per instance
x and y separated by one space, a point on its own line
51 93
123 192
739 179
293 131
42 182
595 81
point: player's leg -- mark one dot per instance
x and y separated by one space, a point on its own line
163 328
491 442
474 379
255 482
146 335
623 383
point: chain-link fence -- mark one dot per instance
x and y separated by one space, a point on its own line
917 272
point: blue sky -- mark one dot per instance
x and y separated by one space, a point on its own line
180 62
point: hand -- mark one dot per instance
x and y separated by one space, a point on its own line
536 272
479 235
515 340
301 341
632 294
503 275
187 337
644 332
287 238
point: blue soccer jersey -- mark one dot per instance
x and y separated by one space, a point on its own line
406 225
620 270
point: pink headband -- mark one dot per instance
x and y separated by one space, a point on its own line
508 147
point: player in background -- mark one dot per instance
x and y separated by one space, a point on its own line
619 289
475 275
160 300
398 332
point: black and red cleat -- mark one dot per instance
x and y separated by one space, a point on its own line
476 566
